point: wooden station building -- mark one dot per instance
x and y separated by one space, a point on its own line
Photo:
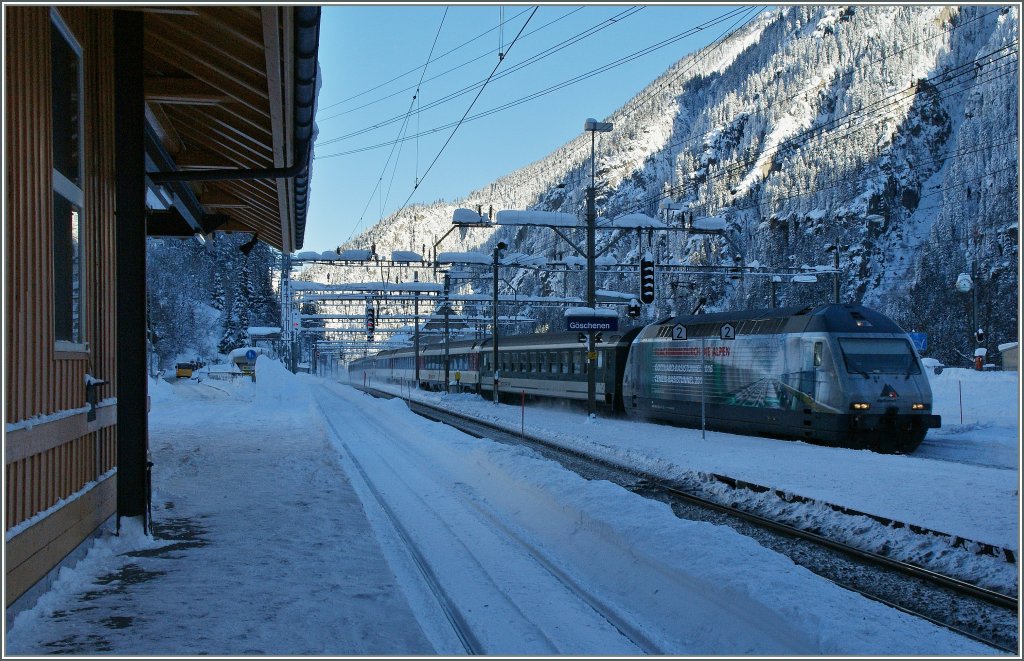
122 122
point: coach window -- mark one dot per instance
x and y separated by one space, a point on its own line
68 198
817 354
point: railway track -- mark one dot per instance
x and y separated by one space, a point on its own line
524 617
988 616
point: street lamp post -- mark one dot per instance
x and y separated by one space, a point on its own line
494 313
593 126
416 328
968 283
974 304
447 362
835 248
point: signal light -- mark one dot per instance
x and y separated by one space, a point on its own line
647 279
634 308
370 323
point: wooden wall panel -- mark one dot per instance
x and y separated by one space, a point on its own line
40 381
28 215
32 553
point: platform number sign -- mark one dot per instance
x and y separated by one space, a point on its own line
679 332
728 332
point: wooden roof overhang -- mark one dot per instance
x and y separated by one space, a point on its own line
230 94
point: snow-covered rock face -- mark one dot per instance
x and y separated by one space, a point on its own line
888 130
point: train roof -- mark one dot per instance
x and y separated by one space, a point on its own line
828 318
557 338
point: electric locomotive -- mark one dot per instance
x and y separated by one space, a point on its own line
841 375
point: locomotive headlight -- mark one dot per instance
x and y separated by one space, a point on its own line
918 407
860 406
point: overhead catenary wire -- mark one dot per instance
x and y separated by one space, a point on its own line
417 68
936 85
437 76
529 61
947 73
521 100
861 115
402 131
484 86
443 146
707 50
859 68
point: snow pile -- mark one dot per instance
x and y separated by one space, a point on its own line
988 399
160 390
274 383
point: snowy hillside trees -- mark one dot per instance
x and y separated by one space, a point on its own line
203 298
890 131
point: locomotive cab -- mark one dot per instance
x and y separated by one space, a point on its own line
887 391
841 375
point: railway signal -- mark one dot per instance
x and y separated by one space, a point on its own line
370 323
646 279
634 308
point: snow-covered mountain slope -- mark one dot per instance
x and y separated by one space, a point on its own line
891 131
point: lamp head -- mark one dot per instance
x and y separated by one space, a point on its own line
247 247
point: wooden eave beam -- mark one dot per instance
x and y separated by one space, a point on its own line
163 127
182 91
275 92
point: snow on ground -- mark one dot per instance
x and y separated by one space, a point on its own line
279 492
963 480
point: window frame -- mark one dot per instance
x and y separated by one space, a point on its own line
74 196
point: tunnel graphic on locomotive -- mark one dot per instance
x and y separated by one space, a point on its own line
837 374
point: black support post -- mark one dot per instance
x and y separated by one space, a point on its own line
130 245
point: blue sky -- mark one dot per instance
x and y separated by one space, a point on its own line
372 58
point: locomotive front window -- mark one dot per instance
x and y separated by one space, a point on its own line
878 356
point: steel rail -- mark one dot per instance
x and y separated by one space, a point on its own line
955 585
451 613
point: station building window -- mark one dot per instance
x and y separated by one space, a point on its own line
68 197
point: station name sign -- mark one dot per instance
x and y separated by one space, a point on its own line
586 323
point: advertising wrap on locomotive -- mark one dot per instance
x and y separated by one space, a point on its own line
838 374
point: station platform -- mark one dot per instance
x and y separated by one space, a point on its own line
260 546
